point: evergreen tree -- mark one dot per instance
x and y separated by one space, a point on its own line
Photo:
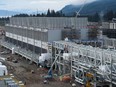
43 15
48 13
38 15
61 14
115 15
21 15
34 15
96 17
58 14
109 15
53 13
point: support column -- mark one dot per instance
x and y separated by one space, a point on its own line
71 61
95 83
110 85
111 71
55 62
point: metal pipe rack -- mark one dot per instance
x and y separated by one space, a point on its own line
101 63
21 51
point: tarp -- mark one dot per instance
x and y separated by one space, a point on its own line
3 70
0 63
45 56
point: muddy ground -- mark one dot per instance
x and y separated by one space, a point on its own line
22 71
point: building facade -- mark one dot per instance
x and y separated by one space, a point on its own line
35 33
45 29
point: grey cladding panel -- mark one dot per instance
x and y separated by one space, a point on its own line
49 22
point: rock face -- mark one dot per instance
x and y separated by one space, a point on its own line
91 8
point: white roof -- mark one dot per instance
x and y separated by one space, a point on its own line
0 63
2 66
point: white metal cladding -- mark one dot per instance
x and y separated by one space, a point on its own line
50 22
109 42
30 32
91 57
54 35
84 33
28 40
35 33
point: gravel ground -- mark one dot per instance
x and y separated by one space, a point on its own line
22 71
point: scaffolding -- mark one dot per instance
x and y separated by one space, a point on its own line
70 33
100 63
109 42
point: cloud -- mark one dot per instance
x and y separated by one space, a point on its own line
43 1
41 5
2 4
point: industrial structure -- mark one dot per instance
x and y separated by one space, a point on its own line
109 28
32 36
109 43
86 63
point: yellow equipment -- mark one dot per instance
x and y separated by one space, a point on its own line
89 76
88 84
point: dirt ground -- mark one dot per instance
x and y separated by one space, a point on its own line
22 71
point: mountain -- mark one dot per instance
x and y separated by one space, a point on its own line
5 13
91 8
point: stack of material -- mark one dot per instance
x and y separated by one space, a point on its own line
10 83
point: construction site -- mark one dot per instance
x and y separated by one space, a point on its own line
51 51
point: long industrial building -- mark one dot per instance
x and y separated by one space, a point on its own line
33 34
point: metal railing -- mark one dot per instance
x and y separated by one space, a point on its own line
21 51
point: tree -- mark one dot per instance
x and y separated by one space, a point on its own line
43 15
48 13
21 15
93 32
109 15
115 15
97 17
58 14
53 13
38 15
94 18
3 21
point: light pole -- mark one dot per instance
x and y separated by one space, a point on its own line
40 41
33 42
111 70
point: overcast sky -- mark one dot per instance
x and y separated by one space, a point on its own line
41 5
